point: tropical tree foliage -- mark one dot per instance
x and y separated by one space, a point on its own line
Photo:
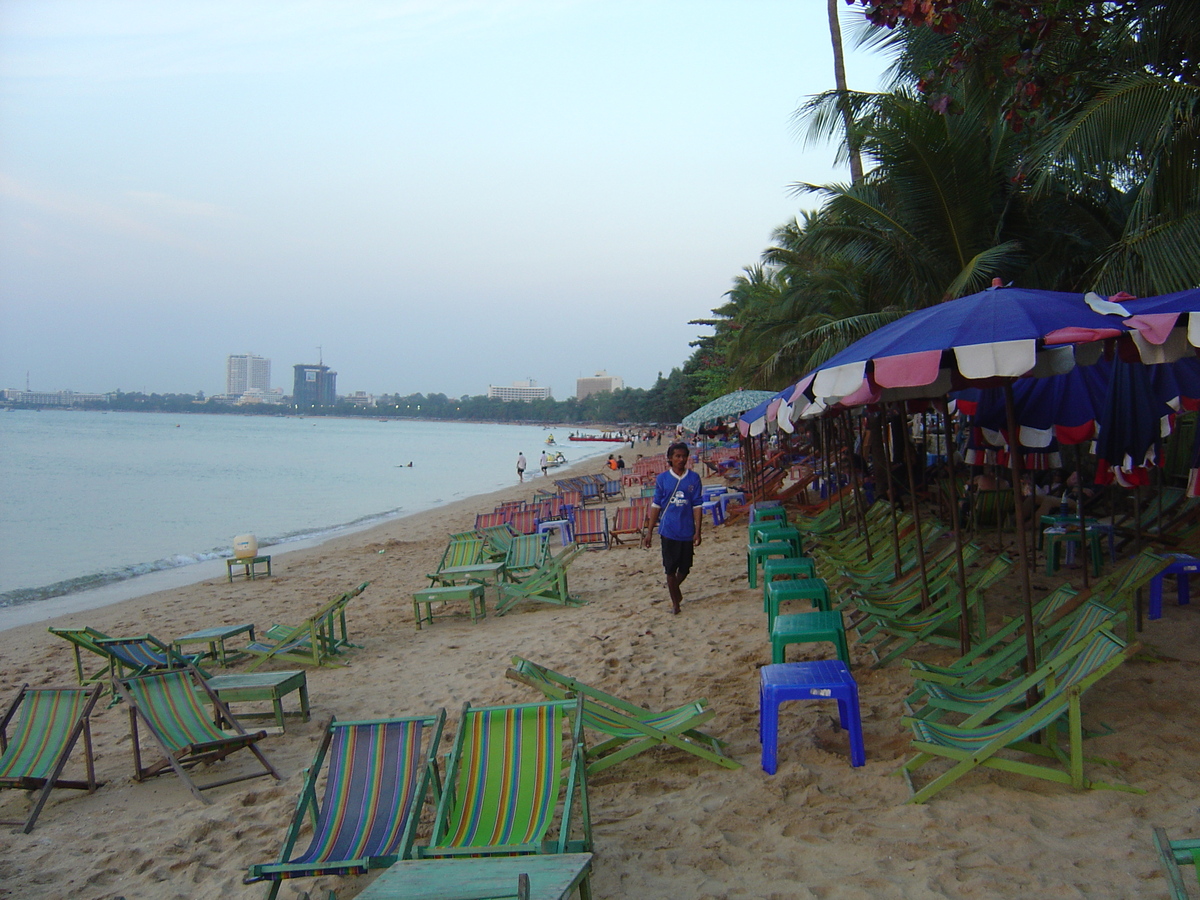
1052 145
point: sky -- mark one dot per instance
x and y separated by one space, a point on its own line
427 195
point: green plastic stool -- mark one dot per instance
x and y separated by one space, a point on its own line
776 531
756 553
800 566
808 628
1055 540
770 513
779 592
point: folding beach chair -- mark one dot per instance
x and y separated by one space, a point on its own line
980 739
527 554
513 785
131 655
524 521
380 774
168 704
318 641
630 524
591 528
548 584
33 757
628 729
1173 854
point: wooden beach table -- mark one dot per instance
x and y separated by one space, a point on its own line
552 876
272 686
215 638
247 563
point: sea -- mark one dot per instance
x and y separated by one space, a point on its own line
92 498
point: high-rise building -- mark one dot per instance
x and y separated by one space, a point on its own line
245 371
519 390
597 384
314 386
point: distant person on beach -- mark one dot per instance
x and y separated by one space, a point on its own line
544 462
676 509
521 467
620 463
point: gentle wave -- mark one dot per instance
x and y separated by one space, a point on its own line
110 576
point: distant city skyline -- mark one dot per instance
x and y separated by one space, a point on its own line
442 196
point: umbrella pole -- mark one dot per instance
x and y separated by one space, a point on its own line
1014 462
964 632
860 514
912 493
884 435
1079 509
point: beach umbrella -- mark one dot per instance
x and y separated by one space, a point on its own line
994 336
1164 327
725 407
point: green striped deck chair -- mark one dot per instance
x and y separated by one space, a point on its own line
979 739
513 783
548 584
378 776
628 729
458 553
527 554
33 757
168 704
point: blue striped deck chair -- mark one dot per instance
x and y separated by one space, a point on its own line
137 654
168 704
628 729
379 775
33 757
513 783
142 654
979 739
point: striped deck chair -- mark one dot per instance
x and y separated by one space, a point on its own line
484 521
527 554
380 774
979 740
33 757
629 520
318 640
132 655
168 704
513 785
628 729
524 521
591 528
548 584
497 539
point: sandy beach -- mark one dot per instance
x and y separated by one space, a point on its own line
666 825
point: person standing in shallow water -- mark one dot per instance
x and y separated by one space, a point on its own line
676 509
521 467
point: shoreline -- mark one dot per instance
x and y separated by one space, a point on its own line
170 579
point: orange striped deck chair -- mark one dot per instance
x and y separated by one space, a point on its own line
378 776
630 523
168 704
33 757
513 784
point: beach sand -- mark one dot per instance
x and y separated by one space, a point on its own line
666 824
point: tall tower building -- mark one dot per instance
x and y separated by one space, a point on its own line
314 386
597 384
245 371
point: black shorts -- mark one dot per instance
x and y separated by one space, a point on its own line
677 556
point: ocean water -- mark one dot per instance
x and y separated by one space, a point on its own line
89 498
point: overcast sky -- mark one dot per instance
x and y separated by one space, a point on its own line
441 194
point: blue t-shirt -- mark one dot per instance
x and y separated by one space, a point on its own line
677 497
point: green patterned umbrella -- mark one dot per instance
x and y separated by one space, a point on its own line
724 407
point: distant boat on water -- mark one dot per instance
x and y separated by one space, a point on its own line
596 437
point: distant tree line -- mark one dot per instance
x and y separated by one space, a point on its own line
669 400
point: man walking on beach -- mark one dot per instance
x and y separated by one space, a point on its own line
521 467
676 509
544 462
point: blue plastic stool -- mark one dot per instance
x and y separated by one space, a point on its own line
822 679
